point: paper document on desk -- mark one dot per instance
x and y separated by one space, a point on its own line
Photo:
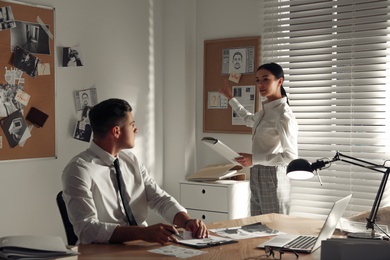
179 252
349 226
247 231
221 148
203 242
33 247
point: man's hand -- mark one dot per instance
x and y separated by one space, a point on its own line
197 227
160 233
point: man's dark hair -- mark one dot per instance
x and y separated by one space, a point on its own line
237 53
107 114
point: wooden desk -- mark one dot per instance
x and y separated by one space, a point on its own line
243 249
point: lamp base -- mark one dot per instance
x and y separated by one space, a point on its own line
364 235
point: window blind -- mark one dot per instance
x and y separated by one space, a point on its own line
336 57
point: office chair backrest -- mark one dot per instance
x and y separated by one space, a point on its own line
70 235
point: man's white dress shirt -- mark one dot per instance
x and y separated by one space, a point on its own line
93 202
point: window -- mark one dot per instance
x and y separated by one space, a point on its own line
336 60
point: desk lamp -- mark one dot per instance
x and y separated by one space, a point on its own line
300 169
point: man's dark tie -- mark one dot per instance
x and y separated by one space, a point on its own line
122 191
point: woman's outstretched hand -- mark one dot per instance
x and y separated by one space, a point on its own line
226 90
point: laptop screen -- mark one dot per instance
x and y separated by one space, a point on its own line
331 221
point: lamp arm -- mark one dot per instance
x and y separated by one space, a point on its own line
381 189
367 165
378 199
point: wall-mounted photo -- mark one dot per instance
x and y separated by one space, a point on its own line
31 37
71 57
84 99
83 130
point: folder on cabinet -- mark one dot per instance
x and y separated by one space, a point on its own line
218 172
221 148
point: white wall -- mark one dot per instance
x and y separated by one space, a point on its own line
179 92
220 19
149 53
187 24
117 52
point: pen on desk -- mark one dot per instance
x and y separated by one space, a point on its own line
177 235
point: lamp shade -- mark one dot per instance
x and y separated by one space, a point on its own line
299 169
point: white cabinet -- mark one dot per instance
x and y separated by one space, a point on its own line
216 201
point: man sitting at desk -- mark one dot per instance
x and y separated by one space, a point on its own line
98 210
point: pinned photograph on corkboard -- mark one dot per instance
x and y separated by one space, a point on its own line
25 61
238 60
15 128
31 37
7 20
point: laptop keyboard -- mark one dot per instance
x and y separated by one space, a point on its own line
304 242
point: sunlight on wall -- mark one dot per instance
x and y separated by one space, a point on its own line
149 140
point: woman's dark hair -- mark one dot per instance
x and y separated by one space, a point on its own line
107 114
278 72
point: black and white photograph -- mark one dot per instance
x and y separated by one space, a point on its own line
83 130
237 92
25 61
85 98
246 96
30 37
238 60
14 127
7 20
71 57
8 103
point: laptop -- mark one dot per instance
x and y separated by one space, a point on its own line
305 243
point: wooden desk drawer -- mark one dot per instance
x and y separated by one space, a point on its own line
214 198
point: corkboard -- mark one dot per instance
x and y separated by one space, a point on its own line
217 68
30 28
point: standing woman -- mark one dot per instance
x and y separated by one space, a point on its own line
274 142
